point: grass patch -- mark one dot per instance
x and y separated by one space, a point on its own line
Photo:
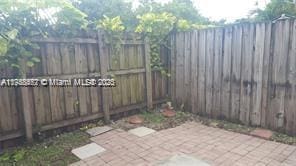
226 125
156 120
152 117
52 151
239 128
280 137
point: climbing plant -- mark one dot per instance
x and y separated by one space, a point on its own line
21 20
113 28
156 27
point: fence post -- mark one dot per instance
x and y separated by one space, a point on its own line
148 75
172 67
26 107
104 69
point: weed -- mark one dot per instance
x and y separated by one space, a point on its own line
52 151
152 117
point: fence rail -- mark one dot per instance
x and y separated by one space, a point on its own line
244 73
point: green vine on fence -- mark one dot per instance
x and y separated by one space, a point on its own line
21 21
156 27
113 28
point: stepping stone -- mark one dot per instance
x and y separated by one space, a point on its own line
88 150
141 131
262 133
98 130
182 160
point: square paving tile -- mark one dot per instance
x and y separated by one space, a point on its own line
141 131
182 160
88 150
98 130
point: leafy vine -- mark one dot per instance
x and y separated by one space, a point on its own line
21 21
156 27
113 28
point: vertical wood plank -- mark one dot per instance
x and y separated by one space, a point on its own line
68 59
201 72
173 68
81 58
95 99
194 71
42 105
257 74
84 100
56 102
186 73
132 78
141 76
13 107
54 59
225 94
5 118
236 72
217 72
91 58
265 75
246 74
278 79
180 68
209 71
290 98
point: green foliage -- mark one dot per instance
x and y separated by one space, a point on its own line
113 28
112 25
96 9
52 151
13 157
183 25
152 117
156 27
181 9
274 9
21 20
280 137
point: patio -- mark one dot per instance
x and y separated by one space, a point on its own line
211 145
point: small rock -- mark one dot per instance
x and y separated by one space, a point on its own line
169 113
135 120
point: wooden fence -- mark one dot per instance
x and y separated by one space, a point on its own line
55 107
244 72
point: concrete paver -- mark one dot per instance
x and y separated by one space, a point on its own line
212 145
88 150
141 131
98 130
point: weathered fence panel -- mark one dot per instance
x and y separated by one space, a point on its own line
243 72
55 107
